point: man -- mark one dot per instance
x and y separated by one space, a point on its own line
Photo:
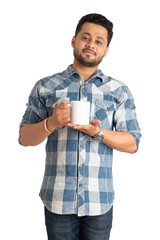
77 188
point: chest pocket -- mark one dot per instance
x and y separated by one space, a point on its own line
104 111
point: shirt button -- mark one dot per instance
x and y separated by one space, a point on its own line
80 185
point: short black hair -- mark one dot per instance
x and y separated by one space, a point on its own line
96 19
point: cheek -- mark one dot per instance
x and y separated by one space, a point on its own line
101 51
78 47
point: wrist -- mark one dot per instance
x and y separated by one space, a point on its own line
49 125
99 136
96 131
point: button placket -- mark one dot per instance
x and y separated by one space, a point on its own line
83 90
81 172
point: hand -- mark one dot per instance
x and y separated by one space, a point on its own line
60 116
92 129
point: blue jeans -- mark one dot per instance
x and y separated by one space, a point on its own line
72 227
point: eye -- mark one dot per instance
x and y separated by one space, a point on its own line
98 42
85 38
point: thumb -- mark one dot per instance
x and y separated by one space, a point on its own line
95 122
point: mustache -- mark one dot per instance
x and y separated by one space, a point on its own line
87 49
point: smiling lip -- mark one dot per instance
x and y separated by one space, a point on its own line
88 52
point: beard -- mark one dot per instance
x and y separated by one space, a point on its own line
87 61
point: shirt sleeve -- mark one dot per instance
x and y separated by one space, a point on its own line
36 109
125 118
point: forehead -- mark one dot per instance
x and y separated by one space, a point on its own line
94 29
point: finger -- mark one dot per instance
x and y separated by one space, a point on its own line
68 124
78 127
83 127
64 112
95 122
66 120
63 105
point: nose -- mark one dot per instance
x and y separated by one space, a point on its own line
90 44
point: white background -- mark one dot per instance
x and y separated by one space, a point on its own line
34 43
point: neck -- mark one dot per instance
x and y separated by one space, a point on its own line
85 72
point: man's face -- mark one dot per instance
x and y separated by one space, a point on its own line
90 45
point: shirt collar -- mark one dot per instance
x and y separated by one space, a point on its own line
98 73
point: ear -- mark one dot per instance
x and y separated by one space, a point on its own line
106 51
73 41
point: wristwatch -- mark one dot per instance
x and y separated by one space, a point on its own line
99 136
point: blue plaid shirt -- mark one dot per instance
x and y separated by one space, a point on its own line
78 170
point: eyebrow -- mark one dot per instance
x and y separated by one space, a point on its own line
90 35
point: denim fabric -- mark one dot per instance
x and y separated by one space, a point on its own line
78 171
72 227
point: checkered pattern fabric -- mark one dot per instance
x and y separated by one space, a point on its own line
78 171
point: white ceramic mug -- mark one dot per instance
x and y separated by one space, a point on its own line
80 112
